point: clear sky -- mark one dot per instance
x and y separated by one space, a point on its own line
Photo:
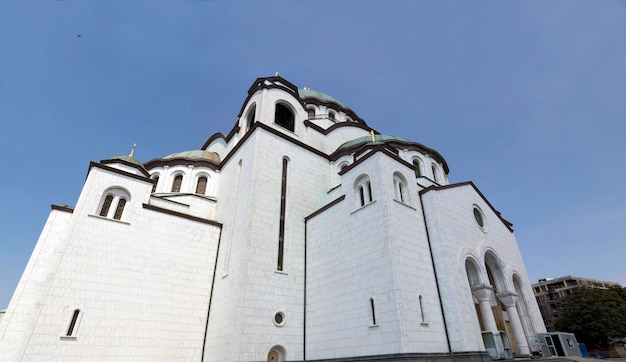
526 99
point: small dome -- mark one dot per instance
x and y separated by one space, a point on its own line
380 138
129 159
196 154
309 93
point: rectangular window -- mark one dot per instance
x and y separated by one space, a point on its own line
72 326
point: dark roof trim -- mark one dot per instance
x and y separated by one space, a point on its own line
269 129
336 107
326 207
319 129
221 135
123 162
64 208
160 162
393 143
376 148
119 172
180 214
470 183
259 84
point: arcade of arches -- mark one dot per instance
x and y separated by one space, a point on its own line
502 315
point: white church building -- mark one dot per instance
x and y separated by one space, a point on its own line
301 235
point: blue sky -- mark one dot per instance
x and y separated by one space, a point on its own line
526 99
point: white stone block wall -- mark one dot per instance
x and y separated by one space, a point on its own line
455 236
28 298
141 284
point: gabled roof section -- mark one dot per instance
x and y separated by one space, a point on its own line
470 183
358 144
275 82
128 161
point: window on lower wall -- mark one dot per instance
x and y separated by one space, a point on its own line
71 329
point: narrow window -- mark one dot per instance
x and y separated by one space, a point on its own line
201 186
434 169
331 116
362 194
422 310
416 166
369 192
281 235
400 191
251 115
107 204
178 181
119 209
156 181
310 113
284 117
70 329
373 311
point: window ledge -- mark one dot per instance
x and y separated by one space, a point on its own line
424 324
280 272
362 207
109 219
373 325
403 203
67 338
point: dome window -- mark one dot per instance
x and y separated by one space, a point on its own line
201 186
284 117
416 167
178 181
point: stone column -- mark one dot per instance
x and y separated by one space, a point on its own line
483 293
510 302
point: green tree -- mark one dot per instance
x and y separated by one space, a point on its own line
595 316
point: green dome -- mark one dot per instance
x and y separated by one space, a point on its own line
309 93
380 138
129 159
196 154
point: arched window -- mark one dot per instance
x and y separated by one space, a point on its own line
331 116
113 197
104 211
155 179
434 169
201 186
119 209
416 167
178 181
310 113
399 185
284 117
364 191
251 116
